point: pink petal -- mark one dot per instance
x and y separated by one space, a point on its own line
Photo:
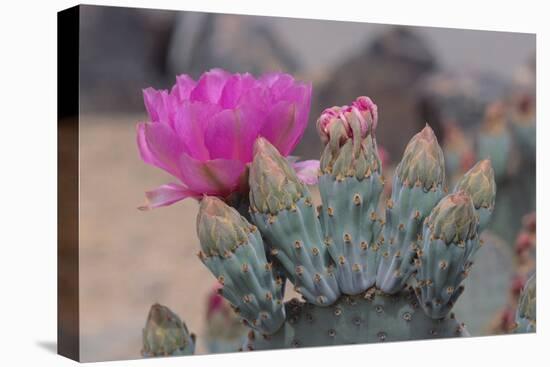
307 171
301 95
281 128
234 88
281 79
216 177
159 105
191 122
166 195
210 86
231 134
183 87
159 146
280 87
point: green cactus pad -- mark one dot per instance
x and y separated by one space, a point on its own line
369 317
351 227
295 240
450 240
240 265
423 167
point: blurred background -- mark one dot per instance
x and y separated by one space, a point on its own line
475 88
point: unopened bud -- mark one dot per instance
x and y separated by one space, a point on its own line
274 185
479 183
423 163
165 334
358 120
220 227
453 220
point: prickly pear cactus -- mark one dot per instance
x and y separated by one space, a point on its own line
495 140
526 317
364 275
165 334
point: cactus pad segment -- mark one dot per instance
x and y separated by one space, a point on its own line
240 265
288 221
369 317
450 240
418 185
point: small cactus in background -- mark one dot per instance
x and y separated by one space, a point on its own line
525 249
165 334
523 124
458 150
495 140
526 317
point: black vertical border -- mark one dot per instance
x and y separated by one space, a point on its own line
68 330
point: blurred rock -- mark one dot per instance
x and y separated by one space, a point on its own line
123 50
461 98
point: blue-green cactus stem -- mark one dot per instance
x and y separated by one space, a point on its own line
165 334
351 184
282 208
369 317
450 240
234 252
418 184
479 183
526 316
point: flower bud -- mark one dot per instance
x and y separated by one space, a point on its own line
479 183
165 334
368 110
274 185
423 163
328 119
358 120
453 220
348 133
220 227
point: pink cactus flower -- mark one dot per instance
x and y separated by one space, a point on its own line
202 132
